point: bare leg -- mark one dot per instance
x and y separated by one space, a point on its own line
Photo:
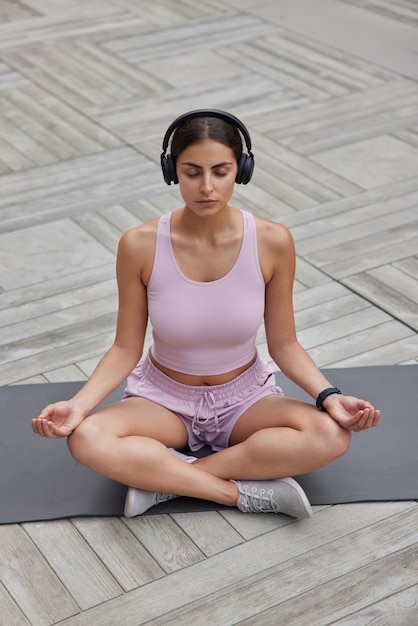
276 438
279 437
129 441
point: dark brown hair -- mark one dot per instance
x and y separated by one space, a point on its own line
200 128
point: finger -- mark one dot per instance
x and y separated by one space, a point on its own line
358 421
374 419
45 428
37 426
369 419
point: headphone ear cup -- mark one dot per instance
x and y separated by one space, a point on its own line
245 169
169 169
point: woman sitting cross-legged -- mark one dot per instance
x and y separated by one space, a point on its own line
206 276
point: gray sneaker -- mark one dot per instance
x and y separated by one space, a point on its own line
283 495
140 500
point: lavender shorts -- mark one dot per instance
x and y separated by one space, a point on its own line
208 412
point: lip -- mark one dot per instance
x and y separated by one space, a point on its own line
207 202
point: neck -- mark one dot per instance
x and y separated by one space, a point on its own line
206 226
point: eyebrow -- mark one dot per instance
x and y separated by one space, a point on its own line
214 167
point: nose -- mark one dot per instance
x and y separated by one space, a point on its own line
206 185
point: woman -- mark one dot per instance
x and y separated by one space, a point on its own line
206 275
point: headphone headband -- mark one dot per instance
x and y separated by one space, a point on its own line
245 164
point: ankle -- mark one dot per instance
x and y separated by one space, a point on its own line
233 493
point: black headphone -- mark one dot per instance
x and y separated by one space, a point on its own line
245 163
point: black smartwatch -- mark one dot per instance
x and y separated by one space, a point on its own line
324 394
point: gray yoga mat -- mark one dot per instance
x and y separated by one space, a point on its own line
39 480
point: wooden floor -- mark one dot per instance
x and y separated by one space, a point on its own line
329 91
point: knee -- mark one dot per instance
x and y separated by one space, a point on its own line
84 440
337 440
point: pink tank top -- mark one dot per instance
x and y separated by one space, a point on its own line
205 328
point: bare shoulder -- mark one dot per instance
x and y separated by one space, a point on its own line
272 236
276 249
137 248
140 236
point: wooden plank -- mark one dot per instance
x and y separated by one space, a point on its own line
377 123
209 530
13 159
206 33
373 345
126 558
393 352
359 597
409 135
167 543
80 134
343 226
263 60
164 12
100 228
344 325
63 547
21 142
12 10
72 349
322 68
390 289
33 312
394 245
321 294
285 192
289 581
48 249
366 201
145 127
34 331
99 22
276 549
31 581
79 279
10 612
400 608
286 174
85 183
349 111
294 124
308 276
40 128
65 374
364 73
323 313
58 337
255 525
330 182
404 11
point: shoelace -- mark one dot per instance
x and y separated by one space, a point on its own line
259 500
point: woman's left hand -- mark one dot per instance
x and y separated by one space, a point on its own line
351 413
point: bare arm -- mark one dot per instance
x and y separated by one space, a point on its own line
135 254
278 261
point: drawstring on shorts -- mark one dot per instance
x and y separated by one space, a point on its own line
209 399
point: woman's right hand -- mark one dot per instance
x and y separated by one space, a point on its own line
57 420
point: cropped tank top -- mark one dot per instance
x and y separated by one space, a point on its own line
205 328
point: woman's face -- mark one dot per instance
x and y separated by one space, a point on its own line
206 173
